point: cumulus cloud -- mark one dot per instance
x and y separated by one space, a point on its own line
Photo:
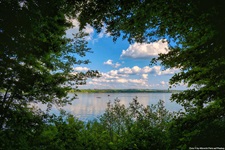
81 69
163 83
119 82
103 33
136 69
113 72
169 71
144 76
114 79
110 63
125 70
129 77
156 70
117 65
153 70
145 51
90 30
76 25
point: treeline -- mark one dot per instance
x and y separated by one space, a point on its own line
135 127
126 91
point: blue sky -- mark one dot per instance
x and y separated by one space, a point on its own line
123 65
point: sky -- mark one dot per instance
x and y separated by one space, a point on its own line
123 65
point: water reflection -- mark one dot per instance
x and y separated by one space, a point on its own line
89 106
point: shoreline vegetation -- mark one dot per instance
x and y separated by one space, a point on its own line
125 91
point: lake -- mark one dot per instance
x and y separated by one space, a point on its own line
90 106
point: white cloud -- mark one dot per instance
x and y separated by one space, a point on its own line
121 80
145 70
153 70
136 69
81 69
125 70
163 82
90 30
169 71
134 77
144 50
117 65
110 63
144 76
103 33
157 70
76 25
113 72
113 79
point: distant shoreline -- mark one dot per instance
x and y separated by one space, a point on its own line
125 91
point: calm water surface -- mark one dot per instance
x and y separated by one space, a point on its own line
90 106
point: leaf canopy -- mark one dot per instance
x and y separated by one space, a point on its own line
36 58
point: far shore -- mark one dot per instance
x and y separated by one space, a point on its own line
125 91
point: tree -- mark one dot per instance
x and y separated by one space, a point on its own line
36 59
195 32
137 126
22 129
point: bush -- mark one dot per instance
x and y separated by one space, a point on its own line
134 127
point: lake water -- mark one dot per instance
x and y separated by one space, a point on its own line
90 106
